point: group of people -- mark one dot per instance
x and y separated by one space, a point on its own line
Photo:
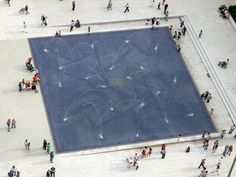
134 162
74 24
29 85
227 151
223 64
13 172
11 124
47 147
51 172
206 96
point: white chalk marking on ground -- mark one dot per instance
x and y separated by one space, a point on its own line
111 108
158 92
175 80
111 68
65 119
166 120
59 84
92 46
100 135
128 77
141 105
142 68
156 47
127 41
190 114
103 86
137 135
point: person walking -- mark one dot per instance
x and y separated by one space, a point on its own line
232 129
230 150
215 146
48 148
8 124
73 5
126 8
165 8
51 156
44 144
202 164
109 5
13 123
200 34
225 150
163 2
159 6
72 24
217 167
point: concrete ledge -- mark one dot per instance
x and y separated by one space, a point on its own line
232 22
138 145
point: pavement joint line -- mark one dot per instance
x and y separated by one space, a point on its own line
214 77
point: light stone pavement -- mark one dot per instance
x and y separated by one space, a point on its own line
27 108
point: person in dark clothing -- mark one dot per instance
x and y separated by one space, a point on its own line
126 8
165 8
44 144
73 5
202 164
153 20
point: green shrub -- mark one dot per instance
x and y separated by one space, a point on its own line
232 10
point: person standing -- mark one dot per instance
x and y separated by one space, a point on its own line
181 23
20 86
163 153
48 148
26 10
202 164
159 6
209 98
126 8
8 124
230 150
8 2
225 150
72 24
200 34
24 27
13 123
27 144
73 5
51 156
184 30
44 144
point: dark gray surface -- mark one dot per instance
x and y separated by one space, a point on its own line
116 88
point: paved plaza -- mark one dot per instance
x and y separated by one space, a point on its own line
30 109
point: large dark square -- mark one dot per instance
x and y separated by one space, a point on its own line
114 88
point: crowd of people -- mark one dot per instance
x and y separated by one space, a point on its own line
26 85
